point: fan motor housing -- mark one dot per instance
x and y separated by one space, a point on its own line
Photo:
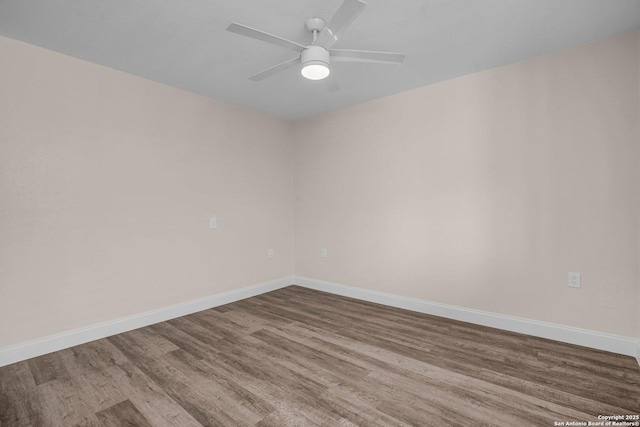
315 54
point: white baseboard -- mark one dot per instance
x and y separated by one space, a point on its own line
567 334
598 340
38 347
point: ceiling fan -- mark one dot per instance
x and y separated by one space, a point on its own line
316 57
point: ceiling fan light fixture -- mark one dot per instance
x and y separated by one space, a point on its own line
315 57
315 63
315 70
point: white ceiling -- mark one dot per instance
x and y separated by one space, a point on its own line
183 43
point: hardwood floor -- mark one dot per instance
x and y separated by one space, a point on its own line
298 357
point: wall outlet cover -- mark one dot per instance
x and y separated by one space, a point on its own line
574 280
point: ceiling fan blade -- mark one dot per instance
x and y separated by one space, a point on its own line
276 69
332 83
265 37
366 56
349 10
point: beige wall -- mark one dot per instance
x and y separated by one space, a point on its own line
482 192
107 183
486 190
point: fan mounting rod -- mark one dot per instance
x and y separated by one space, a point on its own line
315 25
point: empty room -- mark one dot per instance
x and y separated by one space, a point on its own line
320 213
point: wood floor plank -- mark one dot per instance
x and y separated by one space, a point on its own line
295 396
300 357
16 384
383 391
265 361
47 368
123 414
105 377
462 388
61 403
459 357
230 393
182 340
204 335
201 402
344 369
149 342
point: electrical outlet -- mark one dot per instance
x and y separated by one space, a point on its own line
213 222
574 280
270 253
323 252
